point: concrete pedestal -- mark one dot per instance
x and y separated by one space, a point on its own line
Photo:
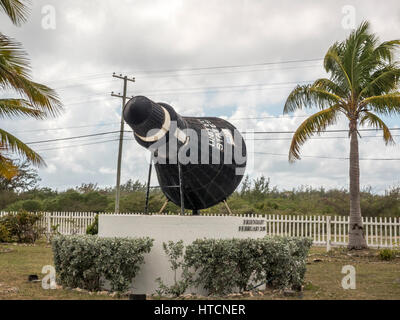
174 228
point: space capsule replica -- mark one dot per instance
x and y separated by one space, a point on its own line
199 161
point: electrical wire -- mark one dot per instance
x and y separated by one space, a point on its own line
226 66
152 71
256 153
259 132
328 158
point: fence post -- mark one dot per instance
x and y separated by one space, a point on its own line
328 234
48 222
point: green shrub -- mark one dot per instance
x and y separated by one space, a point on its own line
223 266
83 261
32 205
22 227
174 251
387 254
93 229
4 234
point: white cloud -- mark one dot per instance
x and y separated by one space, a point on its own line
95 38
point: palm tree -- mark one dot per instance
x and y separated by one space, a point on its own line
363 84
36 100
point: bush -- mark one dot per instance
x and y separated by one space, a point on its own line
93 229
223 266
387 254
4 234
83 261
174 251
32 205
21 227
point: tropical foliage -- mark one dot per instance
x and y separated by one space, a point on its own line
251 199
27 98
362 87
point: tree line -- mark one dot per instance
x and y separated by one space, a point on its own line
254 196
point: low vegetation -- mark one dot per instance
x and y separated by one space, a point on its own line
87 261
388 254
224 267
257 197
21 227
375 279
279 262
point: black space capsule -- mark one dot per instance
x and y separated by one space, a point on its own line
210 151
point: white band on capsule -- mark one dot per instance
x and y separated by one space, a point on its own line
162 132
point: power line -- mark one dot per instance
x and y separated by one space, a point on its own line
227 66
217 91
83 140
257 153
104 74
181 92
85 84
259 132
115 123
260 139
313 138
194 90
72 138
228 87
268 117
79 145
177 75
65 128
329 158
326 131
254 86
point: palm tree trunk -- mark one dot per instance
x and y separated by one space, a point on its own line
356 232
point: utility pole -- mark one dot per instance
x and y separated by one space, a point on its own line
121 136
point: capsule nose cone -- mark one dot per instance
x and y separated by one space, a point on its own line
143 115
137 110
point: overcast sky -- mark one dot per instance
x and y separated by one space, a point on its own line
94 38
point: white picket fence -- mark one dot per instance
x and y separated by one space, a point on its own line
333 231
324 230
67 223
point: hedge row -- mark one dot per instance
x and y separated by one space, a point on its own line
84 261
21 227
219 266
224 266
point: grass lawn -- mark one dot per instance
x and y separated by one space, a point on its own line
375 279
22 261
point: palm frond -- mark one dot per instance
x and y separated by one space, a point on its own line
7 168
14 74
382 81
387 104
11 143
330 86
40 96
18 107
17 10
333 64
385 51
376 122
316 123
308 96
354 48
14 61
